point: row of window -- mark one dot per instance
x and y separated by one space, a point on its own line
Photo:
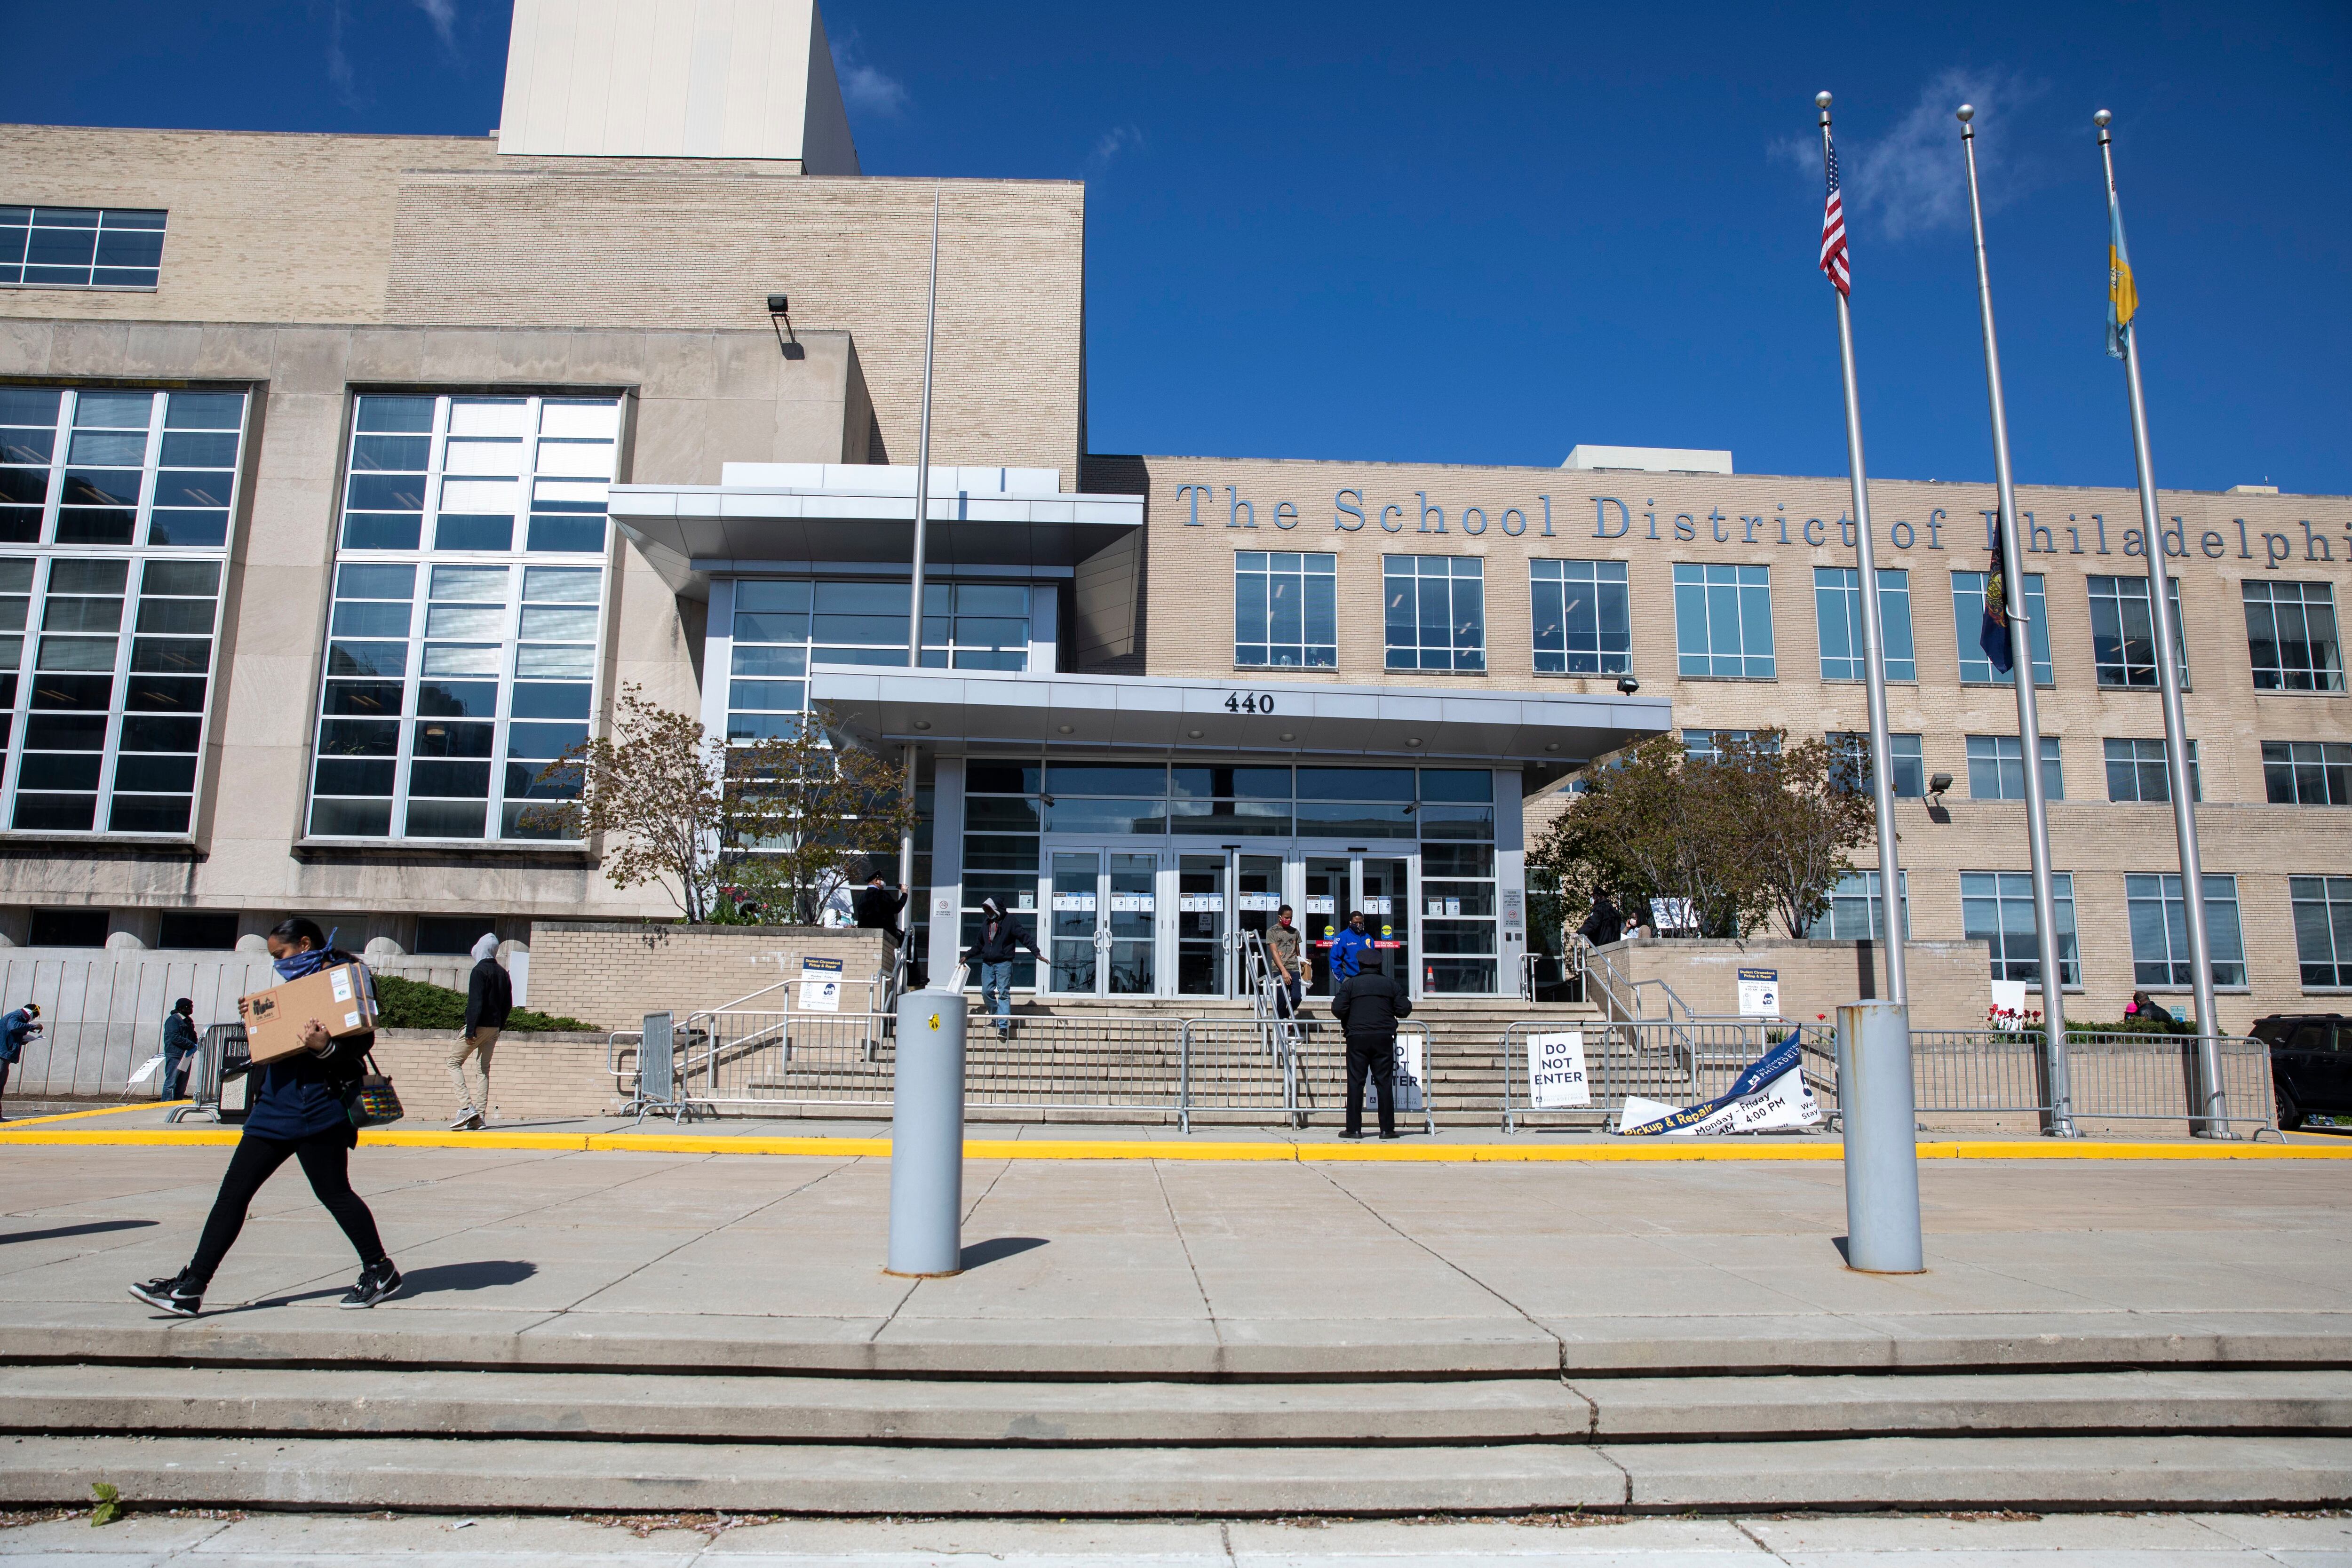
2294 772
1285 615
81 248
1997 908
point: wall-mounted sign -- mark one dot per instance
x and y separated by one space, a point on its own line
820 985
1759 993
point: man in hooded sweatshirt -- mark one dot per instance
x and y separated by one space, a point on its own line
490 997
1000 939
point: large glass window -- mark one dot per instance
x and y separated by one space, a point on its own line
1837 609
2323 928
2122 631
1855 914
119 503
1436 612
2159 931
1907 761
1284 610
116 468
1723 621
1583 624
1997 908
781 625
2307 773
469 591
1997 768
80 247
1968 621
2290 636
2136 772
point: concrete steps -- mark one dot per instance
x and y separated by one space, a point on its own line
510 1474
381 1403
348 1433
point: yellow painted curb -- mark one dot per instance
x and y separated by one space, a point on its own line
1630 1152
102 1110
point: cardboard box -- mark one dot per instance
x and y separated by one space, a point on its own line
341 997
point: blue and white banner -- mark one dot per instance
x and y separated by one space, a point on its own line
1768 1096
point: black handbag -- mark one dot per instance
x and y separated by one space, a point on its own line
372 1101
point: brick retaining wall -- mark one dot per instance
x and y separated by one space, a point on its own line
612 976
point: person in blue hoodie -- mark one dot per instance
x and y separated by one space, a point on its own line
300 1109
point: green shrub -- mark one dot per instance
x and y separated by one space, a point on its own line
420 1004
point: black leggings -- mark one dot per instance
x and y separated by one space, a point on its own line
326 1160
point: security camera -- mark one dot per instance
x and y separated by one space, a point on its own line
1628 685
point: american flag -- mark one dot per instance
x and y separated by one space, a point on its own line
1833 261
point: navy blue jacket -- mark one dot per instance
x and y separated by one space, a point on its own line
302 1095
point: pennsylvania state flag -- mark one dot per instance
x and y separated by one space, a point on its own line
1992 632
2123 295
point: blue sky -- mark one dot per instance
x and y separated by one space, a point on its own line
1484 233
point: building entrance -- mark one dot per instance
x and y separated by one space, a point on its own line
1127 922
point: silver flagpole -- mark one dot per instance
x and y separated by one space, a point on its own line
2058 1118
1874 647
922 524
2175 729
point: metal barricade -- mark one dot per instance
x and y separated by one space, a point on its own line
1247 1066
1678 1062
1320 1071
222 1047
845 1061
2112 1078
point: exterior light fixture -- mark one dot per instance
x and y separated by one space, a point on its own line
922 723
1936 788
780 316
1065 728
1288 736
1193 734
1046 798
1628 685
1552 745
1413 739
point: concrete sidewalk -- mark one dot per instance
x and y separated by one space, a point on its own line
1174 1268
2082 1541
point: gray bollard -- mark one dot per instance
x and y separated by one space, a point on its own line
926 1137
1881 1147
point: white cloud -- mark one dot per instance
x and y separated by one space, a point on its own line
862 85
339 64
443 14
1912 180
1111 143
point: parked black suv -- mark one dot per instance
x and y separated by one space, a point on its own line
2311 1063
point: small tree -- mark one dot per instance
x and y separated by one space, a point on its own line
717 826
1757 828
1810 809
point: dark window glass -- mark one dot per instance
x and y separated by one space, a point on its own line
185 930
550 699
457 698
70 928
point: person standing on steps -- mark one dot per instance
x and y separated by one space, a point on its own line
179 1047
303 1109
1351 948
1606 923
1001 940
1368 1006
16 1028
877 910
490 997
1291 970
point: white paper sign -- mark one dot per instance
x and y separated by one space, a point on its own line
1269 902
2008 999
1080 903
1375 905
1408 1071
1128 903
1556 1077
1200 903
1321 905
146 1071
820 985
1759 993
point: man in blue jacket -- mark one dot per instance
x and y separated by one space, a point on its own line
16 1029
1351 948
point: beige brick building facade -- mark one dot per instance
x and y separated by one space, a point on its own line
418 339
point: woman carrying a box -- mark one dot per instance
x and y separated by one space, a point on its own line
300 1111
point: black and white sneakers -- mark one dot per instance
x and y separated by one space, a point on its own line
375 1282
173 1295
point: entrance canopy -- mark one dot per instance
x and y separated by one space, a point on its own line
804 517
1547 733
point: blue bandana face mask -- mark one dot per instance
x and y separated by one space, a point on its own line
295 966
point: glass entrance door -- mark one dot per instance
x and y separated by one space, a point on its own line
1075 910
1203 919
1106 923
1377 886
